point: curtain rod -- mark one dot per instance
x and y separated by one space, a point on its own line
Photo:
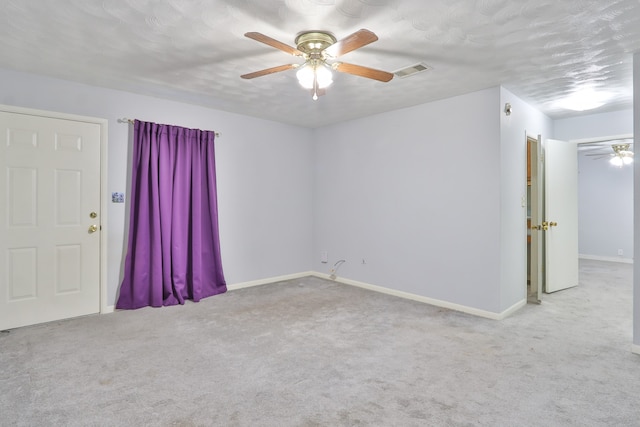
130 121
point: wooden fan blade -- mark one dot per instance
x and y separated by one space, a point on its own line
274 43
268 71
354 41
359 70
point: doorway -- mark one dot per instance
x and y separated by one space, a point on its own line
552 216
605 200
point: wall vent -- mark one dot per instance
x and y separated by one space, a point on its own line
411 70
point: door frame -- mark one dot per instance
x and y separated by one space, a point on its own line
578 142
103 123
535 204
599 139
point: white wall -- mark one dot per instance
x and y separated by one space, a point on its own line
264 173
429 196
605 193
594 126
524 121
416 194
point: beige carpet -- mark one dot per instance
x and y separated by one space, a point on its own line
312 352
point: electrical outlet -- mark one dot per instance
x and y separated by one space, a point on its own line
620 252
324 257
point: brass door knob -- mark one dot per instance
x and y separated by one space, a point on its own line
93 228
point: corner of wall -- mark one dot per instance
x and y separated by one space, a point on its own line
636 205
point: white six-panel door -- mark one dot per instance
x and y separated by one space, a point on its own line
50 192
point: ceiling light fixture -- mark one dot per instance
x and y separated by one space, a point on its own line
620 161
314 74
583 100
319 49
622 155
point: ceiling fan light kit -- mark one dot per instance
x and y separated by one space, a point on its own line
317 47
620 161
622 155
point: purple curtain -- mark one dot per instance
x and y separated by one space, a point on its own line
174 249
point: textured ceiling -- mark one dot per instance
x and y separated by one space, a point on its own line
195 51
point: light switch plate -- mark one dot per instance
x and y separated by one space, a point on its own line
117 197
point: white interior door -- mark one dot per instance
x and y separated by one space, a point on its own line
50 219
561 214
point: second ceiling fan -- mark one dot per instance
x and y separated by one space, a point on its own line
317 48
622 154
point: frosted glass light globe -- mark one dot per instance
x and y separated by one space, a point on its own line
309 71
324 76
305 76
616 161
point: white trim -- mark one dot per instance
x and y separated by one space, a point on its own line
635 349
606 258
104 208
602 139
515 307
267 281
431 301
108 309
427 300
104 124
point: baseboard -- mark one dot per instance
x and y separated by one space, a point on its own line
401 294
427 300
111 308
515 307
635 349
108 309
266 281
606 258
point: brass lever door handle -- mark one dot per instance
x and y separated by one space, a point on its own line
542 227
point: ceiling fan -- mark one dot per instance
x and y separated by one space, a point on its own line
317 48
621 155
